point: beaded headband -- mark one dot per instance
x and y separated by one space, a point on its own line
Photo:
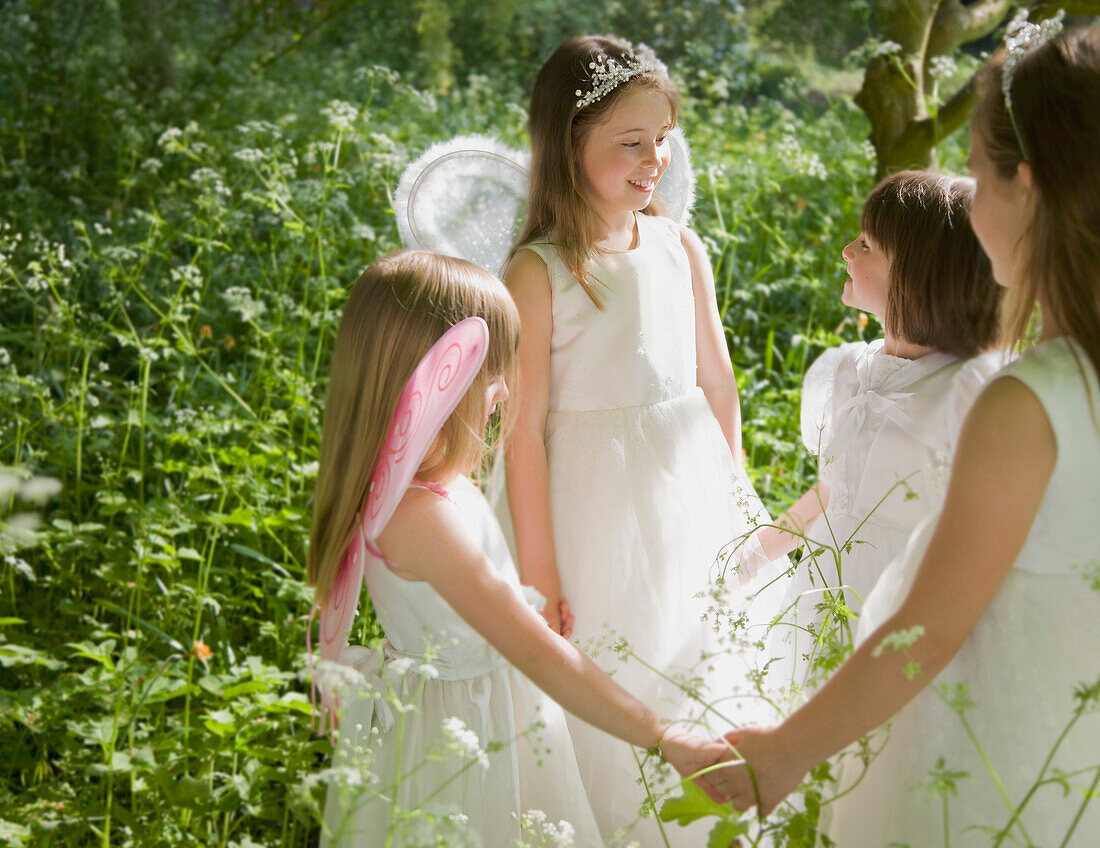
1021 38
608 74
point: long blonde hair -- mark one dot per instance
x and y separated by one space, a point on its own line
398 309
1056 104
559 209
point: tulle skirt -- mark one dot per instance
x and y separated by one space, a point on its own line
645 503
448 793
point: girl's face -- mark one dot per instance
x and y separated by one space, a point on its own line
624 157
868 276
999 215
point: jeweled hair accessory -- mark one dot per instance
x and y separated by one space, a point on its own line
1021 38
608 74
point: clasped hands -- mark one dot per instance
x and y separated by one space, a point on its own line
761 771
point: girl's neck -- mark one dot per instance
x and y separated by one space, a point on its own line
621 231
903 349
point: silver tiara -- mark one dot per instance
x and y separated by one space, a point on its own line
1021 38
608 74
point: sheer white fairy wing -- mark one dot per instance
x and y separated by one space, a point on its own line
677 187
465 197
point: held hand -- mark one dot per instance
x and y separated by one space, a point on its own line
689 754
760 773
552 613
749 559
566 616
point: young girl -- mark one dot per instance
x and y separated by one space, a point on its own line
1003 584
883 417
446 577
621 473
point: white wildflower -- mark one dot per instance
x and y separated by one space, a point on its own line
465 740
250 154
187 275
38 490
337 677
801 162
427 670
341 115
886 48
241 301
363 231
400 666
942 67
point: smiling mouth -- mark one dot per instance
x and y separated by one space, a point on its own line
644 185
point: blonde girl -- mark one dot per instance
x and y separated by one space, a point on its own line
461 643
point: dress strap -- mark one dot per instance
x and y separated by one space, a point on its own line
434 487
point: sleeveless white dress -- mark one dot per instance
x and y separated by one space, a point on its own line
884 429
463 678
644 495
1037 641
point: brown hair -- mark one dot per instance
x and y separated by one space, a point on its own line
1056 104
941 291
559 209
398 309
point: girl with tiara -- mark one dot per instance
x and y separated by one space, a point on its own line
883 417
623 468
437 568
998 594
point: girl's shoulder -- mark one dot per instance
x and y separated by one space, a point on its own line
819 390
1062 377
428 520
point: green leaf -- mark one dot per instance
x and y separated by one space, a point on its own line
724 832
12 655
693 804
245 688
259 557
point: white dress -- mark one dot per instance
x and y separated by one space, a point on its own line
884 429
644 495
471 682
1037 641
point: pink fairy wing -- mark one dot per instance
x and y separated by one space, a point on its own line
440 381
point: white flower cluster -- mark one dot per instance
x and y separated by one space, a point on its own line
942 67
337 677
464 740
885 48
250 155
187 275
538 830
240 300
801 162
170 138
341 115
210 179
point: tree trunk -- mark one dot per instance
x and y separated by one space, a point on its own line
906 124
